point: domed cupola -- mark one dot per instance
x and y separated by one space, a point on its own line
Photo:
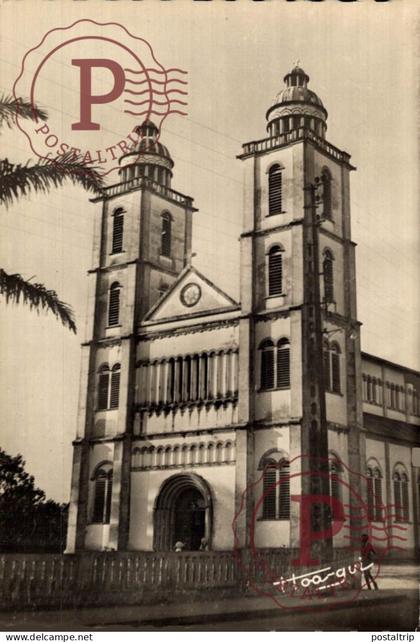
296 107
148 157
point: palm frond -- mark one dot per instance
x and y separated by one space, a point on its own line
11 108
19 180
15 288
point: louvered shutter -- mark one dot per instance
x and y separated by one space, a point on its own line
114 305
335 487
397 498
275 272
283 366
284 491
108 499
378 497
269 493
275 189
115 388
117 232
405 500
267 368
103 385
370 498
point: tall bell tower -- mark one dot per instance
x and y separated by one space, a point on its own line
301 397
142 241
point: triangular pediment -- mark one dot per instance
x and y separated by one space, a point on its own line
191 294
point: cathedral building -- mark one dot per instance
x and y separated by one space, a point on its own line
197 411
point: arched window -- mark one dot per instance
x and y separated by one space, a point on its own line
114 304
267 364
374 492
326 193
328 272
335 368
165 235
275 189
276 487
401 500
283 364
109 387
115 386
102 494
103 387
117 230
275 271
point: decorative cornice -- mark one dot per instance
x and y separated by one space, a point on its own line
335 237
109 341
336 427
199 327
189 433
270 230
267 425
184 406
138 261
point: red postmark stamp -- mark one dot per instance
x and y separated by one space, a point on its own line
98 82
361 533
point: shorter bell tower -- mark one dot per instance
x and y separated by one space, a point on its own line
142 241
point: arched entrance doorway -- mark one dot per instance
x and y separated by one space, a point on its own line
183 512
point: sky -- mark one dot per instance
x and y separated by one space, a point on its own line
362 61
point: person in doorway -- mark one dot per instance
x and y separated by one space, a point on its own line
179 547
204 546
368 555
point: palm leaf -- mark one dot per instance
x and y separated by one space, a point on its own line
11 108
19 180
15 288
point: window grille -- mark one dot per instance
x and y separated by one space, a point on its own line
115 386
267 365
284 490
103 385
283 364
275 190
166 233
114 304
328 272
275 271
118 230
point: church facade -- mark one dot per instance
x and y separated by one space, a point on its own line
197 411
